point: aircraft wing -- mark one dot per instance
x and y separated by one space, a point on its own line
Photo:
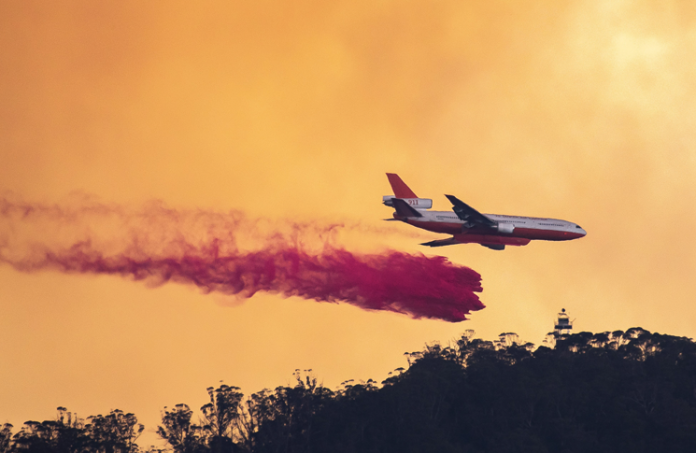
441 242
492 242
469 214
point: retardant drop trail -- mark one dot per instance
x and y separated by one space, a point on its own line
416 285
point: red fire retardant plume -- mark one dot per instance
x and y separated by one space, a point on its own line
416 285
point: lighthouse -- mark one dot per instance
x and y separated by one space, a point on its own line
563 325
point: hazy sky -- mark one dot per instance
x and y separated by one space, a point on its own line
282 110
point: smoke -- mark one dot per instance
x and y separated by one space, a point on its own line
231 254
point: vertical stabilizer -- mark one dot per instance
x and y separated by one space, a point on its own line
401 190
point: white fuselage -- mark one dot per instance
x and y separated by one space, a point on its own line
519 226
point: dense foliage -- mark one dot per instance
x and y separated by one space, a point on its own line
609 392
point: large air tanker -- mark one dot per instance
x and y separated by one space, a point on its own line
468 226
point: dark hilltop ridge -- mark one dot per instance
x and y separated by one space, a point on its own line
632 391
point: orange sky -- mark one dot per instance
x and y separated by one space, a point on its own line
579 110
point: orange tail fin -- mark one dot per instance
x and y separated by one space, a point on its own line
401 190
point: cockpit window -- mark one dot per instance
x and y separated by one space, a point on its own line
578 226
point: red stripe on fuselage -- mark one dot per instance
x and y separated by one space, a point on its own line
436 227
545 235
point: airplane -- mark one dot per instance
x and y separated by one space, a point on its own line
467 225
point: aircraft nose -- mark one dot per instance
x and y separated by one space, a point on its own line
579 231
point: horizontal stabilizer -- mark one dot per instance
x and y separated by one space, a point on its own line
404 210
441 242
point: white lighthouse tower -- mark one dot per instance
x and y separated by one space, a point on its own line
563 325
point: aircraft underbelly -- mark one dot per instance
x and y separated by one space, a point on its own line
475 233
545 235
469 238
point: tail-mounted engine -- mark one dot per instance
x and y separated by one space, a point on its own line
418 203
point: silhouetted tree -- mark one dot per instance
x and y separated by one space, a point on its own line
5 438
220 417
605 392
179 432
114 433
66 434
283 420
